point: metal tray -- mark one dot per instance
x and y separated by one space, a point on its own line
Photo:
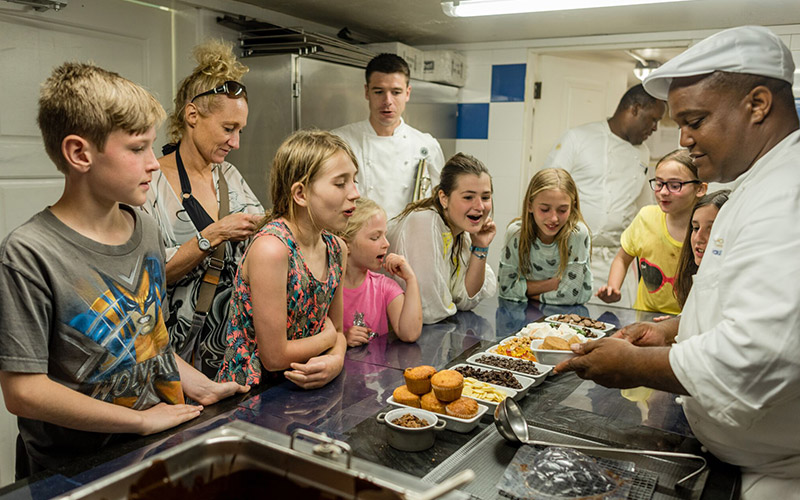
241 455
488 454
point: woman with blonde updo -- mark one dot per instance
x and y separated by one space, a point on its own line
210 113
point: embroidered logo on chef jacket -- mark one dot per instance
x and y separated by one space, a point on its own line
718 244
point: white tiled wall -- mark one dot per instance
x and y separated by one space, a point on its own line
502 151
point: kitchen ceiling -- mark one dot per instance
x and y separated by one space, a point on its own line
422 22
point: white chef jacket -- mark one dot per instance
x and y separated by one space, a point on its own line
424 239
611 175
387 166
738 350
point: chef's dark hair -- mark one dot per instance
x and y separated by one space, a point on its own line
460 164
388 63
636 95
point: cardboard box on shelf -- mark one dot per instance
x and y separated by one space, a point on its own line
444 66
411 55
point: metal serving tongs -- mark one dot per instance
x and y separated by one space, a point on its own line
511 424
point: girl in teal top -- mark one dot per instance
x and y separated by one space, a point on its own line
546 254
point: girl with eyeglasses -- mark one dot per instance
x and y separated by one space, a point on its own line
655 236
185 199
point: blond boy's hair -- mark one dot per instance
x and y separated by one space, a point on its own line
91 102
365 210
216 64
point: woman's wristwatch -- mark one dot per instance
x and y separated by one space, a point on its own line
203 243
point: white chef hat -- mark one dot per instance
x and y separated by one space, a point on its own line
754 50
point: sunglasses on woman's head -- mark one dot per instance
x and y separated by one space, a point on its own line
232 89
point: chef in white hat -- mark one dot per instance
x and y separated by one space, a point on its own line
735 351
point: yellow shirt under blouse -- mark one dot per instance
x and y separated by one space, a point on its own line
648 239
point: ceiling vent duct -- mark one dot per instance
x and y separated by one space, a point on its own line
42 5
257 38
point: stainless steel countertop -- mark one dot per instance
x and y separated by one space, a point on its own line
345 408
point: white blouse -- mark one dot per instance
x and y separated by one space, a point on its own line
424 239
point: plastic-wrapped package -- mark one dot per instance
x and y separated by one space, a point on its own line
563 474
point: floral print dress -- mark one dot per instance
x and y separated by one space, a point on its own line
307 304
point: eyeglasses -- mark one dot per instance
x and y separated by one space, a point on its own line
232 89
672 186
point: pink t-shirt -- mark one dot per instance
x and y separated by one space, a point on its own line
372 298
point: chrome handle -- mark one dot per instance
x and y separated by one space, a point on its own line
331 445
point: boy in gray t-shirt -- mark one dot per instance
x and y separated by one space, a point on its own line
84 351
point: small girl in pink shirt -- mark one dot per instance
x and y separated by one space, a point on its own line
369 297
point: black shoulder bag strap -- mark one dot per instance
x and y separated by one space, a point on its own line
201 220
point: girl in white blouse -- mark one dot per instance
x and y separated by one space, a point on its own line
446 239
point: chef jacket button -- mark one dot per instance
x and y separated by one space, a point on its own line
679 400
703 449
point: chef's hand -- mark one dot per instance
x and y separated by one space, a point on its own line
316 372
486 234
605 361
398 266
649 334
357 335
609 294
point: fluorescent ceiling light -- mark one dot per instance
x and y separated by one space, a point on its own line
470 8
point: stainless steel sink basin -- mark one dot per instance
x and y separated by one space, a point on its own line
241 460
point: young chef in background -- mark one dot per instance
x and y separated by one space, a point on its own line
737 339
391 153
609 162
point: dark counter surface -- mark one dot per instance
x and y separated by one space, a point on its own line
346 408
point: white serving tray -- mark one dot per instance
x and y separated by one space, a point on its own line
608 326
453 424
544 370
508 391
549 356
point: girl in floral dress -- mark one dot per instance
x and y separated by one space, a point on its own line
286 308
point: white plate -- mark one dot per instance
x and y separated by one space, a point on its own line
551 319
544 370
549 356
508 391
453 424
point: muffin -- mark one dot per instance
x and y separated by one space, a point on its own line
403 396
430 403
447 385
418 379
465 408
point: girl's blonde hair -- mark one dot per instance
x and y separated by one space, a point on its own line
300 159
216 64
365 210
460 164
549 178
